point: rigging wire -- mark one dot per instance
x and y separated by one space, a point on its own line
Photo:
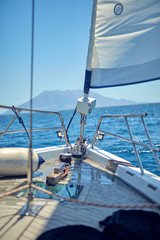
30 164
69 126
20 120
71 119
153 114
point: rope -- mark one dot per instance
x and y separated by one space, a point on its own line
13 191
153 205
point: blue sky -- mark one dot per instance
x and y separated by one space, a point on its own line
60 51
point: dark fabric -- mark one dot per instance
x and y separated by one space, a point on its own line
76 232
132 224
122 225
87 81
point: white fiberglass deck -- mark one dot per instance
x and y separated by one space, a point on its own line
99 186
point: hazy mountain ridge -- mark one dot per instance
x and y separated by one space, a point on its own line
55 100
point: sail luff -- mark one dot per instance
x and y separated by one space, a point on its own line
90 49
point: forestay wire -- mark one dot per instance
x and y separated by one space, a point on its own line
30 165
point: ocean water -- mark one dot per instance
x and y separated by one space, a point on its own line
116 126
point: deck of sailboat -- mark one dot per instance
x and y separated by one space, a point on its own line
99 186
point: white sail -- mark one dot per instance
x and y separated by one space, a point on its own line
124 45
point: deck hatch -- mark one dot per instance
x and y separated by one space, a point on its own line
64 190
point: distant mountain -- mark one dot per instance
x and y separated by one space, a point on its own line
62 100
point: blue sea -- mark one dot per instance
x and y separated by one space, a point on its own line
116 126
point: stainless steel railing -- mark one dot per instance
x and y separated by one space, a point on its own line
19 110
131 140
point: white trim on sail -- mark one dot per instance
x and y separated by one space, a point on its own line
124 43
